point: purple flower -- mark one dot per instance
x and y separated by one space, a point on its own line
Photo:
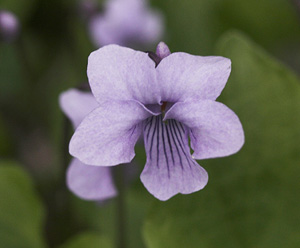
9 26
86 181
87 9
168 98
126 22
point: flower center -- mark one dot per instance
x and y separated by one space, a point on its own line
163 106
162 51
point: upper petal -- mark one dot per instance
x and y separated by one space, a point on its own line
215 130
108 134
90 182
76 105
120 73
185 77
170 168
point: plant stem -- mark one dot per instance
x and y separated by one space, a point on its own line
28 71
65 141
121 208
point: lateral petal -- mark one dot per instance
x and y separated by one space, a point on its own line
108 134
214 129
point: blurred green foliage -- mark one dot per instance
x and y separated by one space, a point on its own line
101 217
88 240
195 26
23 9
6 146
21 211
252 197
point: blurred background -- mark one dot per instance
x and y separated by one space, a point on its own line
252 198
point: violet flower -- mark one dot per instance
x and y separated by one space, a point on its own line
9 26
168 98
126 22
86 181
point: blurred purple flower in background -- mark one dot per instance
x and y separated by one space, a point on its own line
126 22
9 26
168 97
86 181
87 9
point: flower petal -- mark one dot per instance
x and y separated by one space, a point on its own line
76 105
185 77
170 168
120 73
108 134
90 182
215 130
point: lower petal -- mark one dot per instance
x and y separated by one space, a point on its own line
170 169
90 182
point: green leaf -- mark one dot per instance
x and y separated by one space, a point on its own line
88 240
252 198
21 212
251 17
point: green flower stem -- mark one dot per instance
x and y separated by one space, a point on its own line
27 68
121 208
67 129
